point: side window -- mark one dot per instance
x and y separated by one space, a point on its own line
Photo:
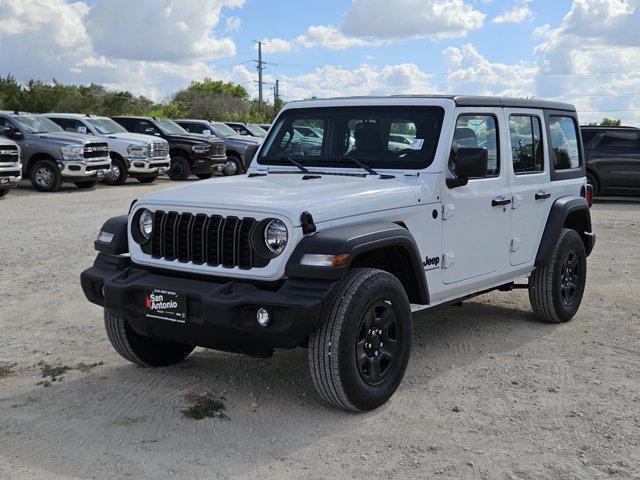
620 142
145 127
5 124
526 144
564 142
402 134
477 131
194 127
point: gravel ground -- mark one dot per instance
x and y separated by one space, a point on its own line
490 393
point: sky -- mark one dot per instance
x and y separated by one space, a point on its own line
585 52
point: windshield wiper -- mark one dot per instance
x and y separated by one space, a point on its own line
293 162
364 166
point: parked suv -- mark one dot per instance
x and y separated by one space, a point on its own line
240 148
336 251
247 129
144 157
10 166
50 155
190 153
613 159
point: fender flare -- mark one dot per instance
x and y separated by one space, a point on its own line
119 244
356 239
560 210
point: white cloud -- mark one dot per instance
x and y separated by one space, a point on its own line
517 14
403 19
328 37
232 24
276 45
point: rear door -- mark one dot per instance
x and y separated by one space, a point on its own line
530 182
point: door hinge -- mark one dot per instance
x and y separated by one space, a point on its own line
515 244
448 210
448 259
516 201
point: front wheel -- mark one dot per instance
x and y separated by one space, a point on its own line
117 175
86 184
358 357
179 169
141 350
232 167
45 176
556 289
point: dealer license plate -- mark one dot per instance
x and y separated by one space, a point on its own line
166 305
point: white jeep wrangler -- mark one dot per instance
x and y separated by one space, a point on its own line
338 249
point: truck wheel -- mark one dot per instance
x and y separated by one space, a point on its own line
555 290
204 176
148 178
118 173
232 167
593 181
144 351
358 357
179 169
86 184
45 176
4 192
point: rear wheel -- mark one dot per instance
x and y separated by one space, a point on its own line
45 176
358 357
141 350
86 184
556 289
147 179
233 166
593 181
179 169
118 173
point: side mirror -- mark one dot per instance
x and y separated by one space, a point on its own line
13 133
150 131
206 133
82 130
469 163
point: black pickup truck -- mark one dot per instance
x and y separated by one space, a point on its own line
190 153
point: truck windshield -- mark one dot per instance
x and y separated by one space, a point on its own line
170 128
33 124
222 130
366 133
106 126
256 130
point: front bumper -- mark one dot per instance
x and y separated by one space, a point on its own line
142 166
206 164
95 167
10 174
221 312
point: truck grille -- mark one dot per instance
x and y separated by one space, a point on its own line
217 149
160 150
8 153
199 238
96 150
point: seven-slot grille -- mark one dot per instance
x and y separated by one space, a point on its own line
160 150
96 150
200 238
8 153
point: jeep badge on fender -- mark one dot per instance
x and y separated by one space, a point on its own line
335 246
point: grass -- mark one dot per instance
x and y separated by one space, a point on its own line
53 371
205 405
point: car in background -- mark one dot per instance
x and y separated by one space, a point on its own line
143 157
247 129
10 166
613 159
265 126
240 148
50 155
190 153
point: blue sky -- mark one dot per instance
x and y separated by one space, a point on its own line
581 51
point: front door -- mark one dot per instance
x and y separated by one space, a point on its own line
530 182
475 226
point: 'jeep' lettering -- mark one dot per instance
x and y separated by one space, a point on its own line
432 262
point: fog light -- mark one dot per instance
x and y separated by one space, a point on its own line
263 317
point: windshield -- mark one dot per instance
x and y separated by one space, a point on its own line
170 128
222 130
256 130
380 137
33 124
106 126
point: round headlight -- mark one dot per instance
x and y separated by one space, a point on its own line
276 236
146 223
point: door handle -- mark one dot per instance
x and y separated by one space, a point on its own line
500 201
542 195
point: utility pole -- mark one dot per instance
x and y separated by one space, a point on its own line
276 92
260 68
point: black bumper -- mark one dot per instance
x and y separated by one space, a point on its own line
204 164
221 313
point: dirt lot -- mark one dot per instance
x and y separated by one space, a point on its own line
490 393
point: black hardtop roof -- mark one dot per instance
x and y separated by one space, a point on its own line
480 101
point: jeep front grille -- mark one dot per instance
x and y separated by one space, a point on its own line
96 150
200 239
8 153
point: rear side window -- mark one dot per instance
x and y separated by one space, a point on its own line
477 131
620 142
526 144
564 142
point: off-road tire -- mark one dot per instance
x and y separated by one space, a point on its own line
141 350
122 172
86 184
147 178
546 282
204 176
179 170
332 348
53 170
238 166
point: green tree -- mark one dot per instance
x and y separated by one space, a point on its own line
606 122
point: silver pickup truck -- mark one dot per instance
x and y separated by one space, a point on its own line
10 166
50 155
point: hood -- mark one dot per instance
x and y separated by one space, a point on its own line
327 198
192 139
136 138
245 139
70 138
